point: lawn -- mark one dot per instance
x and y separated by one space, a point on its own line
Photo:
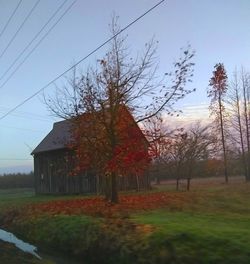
208 224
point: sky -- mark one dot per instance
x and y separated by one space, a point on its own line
218 31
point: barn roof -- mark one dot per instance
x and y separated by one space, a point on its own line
60 135
57 138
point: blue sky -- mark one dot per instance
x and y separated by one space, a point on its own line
217 29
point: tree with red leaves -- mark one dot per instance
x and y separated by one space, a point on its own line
109 101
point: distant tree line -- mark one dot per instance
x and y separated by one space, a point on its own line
201 169
17 180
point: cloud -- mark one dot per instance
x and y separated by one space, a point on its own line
190 114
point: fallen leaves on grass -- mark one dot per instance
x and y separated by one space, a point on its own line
97 206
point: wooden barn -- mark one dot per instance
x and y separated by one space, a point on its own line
53 167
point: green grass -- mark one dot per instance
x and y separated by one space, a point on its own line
59 232
201 238
214 228
54 233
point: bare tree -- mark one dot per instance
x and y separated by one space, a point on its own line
245 82
119 80
186 148
218 88
237 121
240 118
158 136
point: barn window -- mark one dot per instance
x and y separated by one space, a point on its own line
42 176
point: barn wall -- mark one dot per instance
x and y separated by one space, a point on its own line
52 176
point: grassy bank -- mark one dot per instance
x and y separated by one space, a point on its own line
201 238
10 255
209 224
214 228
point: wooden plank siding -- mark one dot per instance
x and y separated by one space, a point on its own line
52 171
52 175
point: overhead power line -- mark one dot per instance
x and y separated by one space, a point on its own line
32 118
35 47
81 60
10 18
28 115
3 109
20 27
34 38
24 129
15 159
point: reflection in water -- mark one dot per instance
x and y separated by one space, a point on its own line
25 247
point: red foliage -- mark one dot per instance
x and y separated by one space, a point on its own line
120 148
97 206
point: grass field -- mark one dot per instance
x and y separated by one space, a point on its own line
215 228
208 224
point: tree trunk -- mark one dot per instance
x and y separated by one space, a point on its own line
107 187
97 184
223 141
114 192
246 124
158 181
137 183
246 169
